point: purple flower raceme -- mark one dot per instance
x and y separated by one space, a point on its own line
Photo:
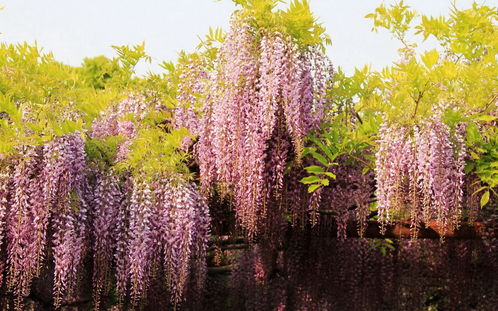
392 162
106 207
122 237
265 96
46 192
168 226
23 219
139 243
154 229
69 215
5 185
192 86
420 173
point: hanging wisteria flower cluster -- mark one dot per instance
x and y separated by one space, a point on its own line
193 85
58 209
420 173
121 119
265 97
152 229
4 201
160 235
44 203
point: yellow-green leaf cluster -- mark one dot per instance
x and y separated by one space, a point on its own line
297 20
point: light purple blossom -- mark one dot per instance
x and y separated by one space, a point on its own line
265 96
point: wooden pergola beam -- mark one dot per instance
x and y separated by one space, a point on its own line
403 229
400 229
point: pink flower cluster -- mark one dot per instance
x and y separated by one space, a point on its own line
69 219
420 173
4 201
54 208
264 98
107 198
120 119
193 85
43 200
166 230
152 230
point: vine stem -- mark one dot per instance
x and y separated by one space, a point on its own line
493 99
417 101
361 161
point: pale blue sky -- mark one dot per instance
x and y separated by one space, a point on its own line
73 29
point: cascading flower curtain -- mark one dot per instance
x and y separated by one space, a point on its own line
266 95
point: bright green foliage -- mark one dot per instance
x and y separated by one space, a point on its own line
214 36
103 151
41 98
301 24
469 33
98 71
128 58
297 20
458 79
397 19
343 140
484 152
157 152
461 74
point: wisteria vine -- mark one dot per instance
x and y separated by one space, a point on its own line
265 97
420 173
58 208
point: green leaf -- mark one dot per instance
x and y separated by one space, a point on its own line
324 148
329 174
320 158
469 167
473 133
365 170
485 118
311 180
485 198
480 189
430 58
314 169
313 187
